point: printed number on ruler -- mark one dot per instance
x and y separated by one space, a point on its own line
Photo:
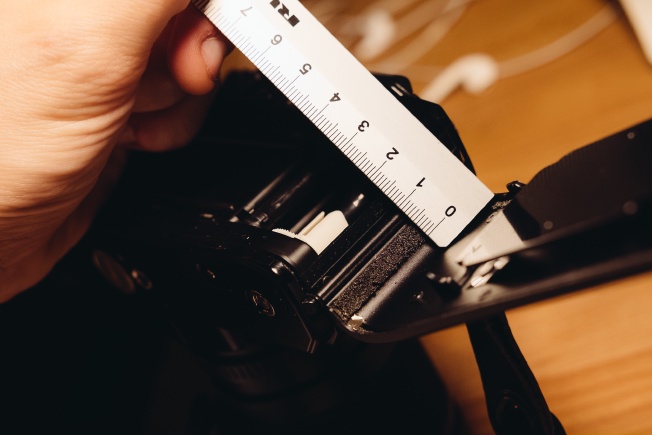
380 136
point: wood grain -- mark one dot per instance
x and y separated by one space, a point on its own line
592 350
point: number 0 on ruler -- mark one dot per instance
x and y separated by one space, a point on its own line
380 136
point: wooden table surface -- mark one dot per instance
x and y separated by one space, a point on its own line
592 350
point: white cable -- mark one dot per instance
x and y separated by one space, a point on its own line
477 72
377 28
473 72
424 42
378 31
564 45
421 16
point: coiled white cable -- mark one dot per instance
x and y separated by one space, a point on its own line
378 30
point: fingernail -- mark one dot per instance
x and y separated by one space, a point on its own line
213 51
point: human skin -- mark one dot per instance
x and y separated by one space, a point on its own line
81 83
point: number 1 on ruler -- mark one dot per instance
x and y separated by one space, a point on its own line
380 136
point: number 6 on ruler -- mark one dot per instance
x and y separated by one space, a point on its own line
348 104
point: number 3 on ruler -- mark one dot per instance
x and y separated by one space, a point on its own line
254 26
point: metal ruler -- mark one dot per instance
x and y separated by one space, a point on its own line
346 102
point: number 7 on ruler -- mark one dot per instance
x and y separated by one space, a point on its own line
380 136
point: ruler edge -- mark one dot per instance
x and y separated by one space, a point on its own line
482 190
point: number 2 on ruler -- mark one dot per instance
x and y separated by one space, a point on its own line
348 104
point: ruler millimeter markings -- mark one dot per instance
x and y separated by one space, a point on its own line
353 109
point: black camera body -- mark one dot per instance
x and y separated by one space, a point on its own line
220 219
205 220
261 235
202 237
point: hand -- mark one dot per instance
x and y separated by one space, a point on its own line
80 82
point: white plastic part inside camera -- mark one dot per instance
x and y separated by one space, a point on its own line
321 231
